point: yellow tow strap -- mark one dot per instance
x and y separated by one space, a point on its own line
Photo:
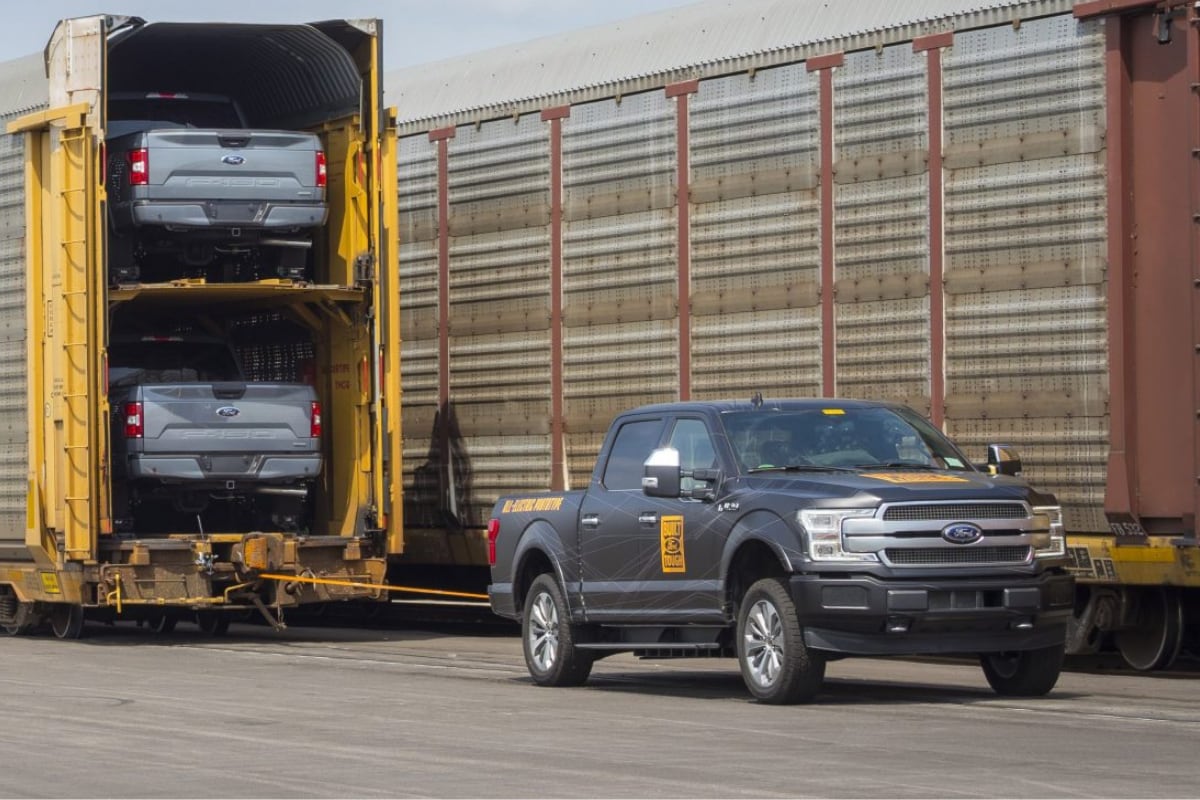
360 585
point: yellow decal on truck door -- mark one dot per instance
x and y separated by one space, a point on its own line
671 544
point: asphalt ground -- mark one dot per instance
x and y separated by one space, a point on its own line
338 712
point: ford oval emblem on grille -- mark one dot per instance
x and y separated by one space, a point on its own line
962 533
228 411
234 160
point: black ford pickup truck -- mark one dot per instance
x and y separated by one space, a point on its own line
786 533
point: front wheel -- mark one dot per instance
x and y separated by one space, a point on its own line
1024 673
777 666
548 637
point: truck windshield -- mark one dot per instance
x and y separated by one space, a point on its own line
837 436
170 360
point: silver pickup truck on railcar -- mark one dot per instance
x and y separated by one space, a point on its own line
786 533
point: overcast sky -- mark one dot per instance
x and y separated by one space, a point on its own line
415 31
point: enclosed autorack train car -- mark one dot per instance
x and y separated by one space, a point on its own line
984 210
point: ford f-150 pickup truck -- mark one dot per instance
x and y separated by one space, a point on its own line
194 192
786 533
189 432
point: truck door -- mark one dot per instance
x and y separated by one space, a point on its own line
619 554
691 534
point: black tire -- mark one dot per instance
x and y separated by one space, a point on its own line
548 637
777 666
1024 673
212 622
66 620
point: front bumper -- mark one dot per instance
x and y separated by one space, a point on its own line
863 615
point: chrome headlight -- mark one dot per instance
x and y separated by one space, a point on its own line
1054 543
822 529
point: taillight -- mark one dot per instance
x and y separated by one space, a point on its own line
493 532
139 167
134 421
314 428
322 172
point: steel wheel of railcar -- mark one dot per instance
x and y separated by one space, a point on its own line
548 637
15 616
163 623
212 623
1023 673
1155 640
66 620
777 666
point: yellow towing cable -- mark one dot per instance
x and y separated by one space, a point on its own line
360 585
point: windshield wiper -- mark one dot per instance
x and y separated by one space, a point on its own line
802 468
898 465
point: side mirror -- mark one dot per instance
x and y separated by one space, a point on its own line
661 477
1003 459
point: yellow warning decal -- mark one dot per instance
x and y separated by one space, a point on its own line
671 537
50 583
833 412
909 477
531 504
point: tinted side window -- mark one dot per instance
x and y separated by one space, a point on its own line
695 447
629 452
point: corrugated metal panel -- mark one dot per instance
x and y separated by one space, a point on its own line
881 221
754 227
14 371
620 276
419 324
1026 313
500 307
698 41
497 424
23 86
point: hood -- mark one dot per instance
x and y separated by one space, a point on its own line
897 486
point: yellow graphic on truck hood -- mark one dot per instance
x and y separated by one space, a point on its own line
910 477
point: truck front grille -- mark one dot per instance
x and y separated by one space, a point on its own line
919 512
945 556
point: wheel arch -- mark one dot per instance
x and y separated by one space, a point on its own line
539 550
762 544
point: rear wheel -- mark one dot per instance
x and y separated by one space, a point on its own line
66 620
777 666
548 637
1023 673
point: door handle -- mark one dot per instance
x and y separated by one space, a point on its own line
590 520
648 518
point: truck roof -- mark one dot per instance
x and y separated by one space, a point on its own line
767 404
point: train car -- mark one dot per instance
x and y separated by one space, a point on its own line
984 210
67 551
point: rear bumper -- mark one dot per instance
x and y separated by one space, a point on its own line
862 615
223 214
500 596
199 469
